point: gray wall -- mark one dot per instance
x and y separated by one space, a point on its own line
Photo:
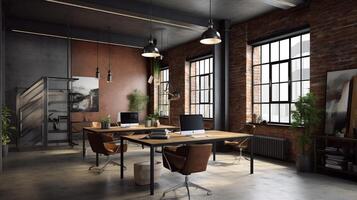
29 57
2 74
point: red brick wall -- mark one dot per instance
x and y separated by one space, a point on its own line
333 47
176 58
333 29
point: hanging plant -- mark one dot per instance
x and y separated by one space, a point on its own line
137 101
156 67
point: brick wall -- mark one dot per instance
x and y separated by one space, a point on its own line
177 60
333 47
333 26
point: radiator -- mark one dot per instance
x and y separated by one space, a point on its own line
272 147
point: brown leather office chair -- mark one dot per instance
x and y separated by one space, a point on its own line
187 160
106 145
241 144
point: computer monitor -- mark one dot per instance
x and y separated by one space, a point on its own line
128 119
191 124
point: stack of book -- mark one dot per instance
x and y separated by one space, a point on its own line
335 159
159 134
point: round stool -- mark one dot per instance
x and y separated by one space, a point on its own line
142 172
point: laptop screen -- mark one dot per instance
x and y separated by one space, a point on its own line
191 123
129 117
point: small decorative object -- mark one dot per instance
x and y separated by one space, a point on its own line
340 134
96 124
105 122
308 116
6 130
155 119
148 121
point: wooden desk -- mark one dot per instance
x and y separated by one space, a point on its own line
121 130
176 139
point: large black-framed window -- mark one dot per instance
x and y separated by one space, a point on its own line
281 74
201 86
164 103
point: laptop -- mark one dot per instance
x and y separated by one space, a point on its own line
191 125
128 119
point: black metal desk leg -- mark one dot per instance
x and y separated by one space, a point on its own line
83 144
96 159
121 158
214 151
251 155
152 150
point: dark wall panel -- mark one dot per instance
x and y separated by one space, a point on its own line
30 57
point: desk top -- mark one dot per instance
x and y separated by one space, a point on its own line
128 129
175 138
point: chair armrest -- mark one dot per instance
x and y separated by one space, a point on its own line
174 160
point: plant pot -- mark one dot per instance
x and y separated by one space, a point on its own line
105 125
153 122
303 163
5 150
148 123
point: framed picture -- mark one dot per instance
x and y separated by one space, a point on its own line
85 94
338 95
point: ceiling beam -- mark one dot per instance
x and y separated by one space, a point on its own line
74 33
139 11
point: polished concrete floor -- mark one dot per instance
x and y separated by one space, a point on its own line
62 174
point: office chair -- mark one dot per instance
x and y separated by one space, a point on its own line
104 144
187 160
241 144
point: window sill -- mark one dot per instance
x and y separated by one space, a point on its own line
274 124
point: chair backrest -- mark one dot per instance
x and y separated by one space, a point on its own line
96 142
197 158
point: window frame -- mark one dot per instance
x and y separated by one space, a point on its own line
289 60
199 90
161 95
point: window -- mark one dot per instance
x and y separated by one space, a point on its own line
281 74
201 87
164 104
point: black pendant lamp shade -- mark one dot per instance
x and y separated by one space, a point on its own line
150 50
109 77
210 36
97 73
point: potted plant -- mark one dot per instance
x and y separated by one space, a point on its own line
306 116
148 121
155 119
6 130
137 101
105 122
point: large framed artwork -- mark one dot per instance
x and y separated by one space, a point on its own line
85 94
339 89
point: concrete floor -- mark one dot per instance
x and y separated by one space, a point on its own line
62 174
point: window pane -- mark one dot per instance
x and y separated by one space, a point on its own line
202 67
295 70
257 111
305 87
305 44
265 74
295 47
256 55
197 67
284 72
256 94
275 73
265 93
207 66
274 113
265 53
211 96
284 92
274 51
293 108
256 75
284 49
295 91
193 97
211 80
275 92
284 113
306 68
265 112
211 65
197 96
